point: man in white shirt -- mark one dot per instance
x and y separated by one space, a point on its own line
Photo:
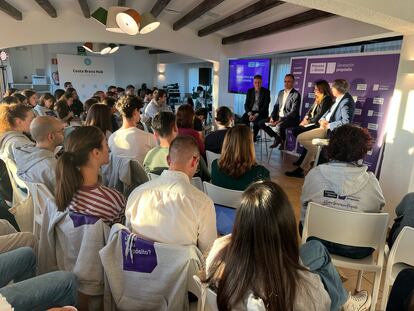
171 210
285 112
129 141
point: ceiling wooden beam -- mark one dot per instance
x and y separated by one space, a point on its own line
121 2
195 13
138 48
10 10
158 52
48 7
297 20
159 6
250 11
85 8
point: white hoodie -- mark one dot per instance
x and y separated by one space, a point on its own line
343 186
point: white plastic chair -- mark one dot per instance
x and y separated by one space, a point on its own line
195 181
353 229
320 143
223 196
400 257
22 205
40 195
211 156
207 301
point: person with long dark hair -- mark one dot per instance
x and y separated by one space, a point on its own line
260 263
77 177
100 115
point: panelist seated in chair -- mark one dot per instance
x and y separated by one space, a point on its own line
169 209
256 106
262 257
340 113
285 112
237 168
344 183
78 186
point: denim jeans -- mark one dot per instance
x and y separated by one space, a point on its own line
316 257
55 289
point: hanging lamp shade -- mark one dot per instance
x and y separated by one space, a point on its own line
113 47
148 23
100 15
88 46
129 21
111 24
103 49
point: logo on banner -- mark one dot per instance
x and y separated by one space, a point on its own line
378 101
317 68
331 67
87 61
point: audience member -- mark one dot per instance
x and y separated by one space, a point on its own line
58 94
130 90
76 107
112 88
200 119
10 91
63 111
402 292
340 113
224 119
8 100
77 177
129 141
237 168
22 99
262 257
100 94
157 104
405 217
120 91
170 209
147 98
185 123
256 106
116 119
99 115
23 290
323 101
10 239
285 113
46 105
31 96
87 105
37 164
344 182
67 85
15 121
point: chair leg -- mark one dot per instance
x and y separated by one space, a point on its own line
270 155
385 293
359 281
318 153
375 290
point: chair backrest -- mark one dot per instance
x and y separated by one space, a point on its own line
345 227
208 298
223 196
195 181
152 176
401 251
211 156
78 241
146 275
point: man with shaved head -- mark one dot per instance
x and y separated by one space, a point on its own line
37 163
169 209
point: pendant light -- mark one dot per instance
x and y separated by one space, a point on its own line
148 23
111 23
100 15
129 21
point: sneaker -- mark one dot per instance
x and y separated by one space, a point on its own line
358 302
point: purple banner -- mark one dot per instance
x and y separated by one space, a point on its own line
372 80
139 255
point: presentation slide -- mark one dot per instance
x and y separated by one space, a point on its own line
242 72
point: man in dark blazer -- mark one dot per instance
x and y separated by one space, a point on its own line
256 105
285 112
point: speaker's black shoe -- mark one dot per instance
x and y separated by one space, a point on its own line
296 173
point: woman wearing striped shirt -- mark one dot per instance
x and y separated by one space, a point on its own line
77 177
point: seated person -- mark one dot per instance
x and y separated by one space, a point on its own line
76 106
165 130
99 115
129 141
77 177
10 239
15 121
224 119
262 257
323 101
171 210
405 217
344 182
45 106
340 113
157 104
402 292
185 123
63 111
37 164
30 292
32 98
285 112
200 119
237 168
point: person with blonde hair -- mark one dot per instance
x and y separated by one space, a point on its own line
237 168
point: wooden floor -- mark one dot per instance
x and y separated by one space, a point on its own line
279 163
